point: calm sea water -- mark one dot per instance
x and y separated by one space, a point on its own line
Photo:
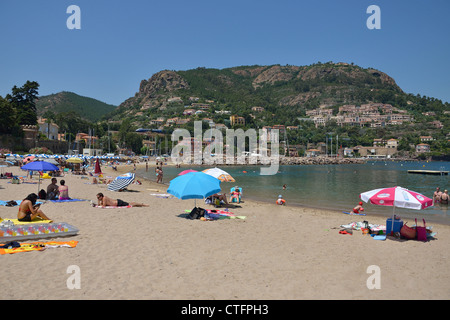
335 187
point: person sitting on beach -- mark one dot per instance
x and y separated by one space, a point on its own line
437 195
28 210
444 197
102 180
280 201
63 191
104 201
220 197
52 190
235 195
358 208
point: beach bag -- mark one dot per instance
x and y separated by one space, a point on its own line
421 231
11 203
196 213
42 194
408 232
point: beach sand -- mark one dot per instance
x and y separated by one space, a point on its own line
276 253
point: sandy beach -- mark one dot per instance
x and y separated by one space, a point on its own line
276 253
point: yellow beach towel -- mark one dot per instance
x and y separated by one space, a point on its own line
16 222
39 246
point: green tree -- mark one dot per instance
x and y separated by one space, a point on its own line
7 116
23 100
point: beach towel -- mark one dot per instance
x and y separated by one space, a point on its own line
358 225
162 195
68 200
35 246
113 207
218 215
3 203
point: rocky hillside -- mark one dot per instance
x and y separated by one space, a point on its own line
285 91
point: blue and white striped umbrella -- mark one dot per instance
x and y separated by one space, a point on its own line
121 182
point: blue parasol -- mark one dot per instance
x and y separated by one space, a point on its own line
39 166
194 185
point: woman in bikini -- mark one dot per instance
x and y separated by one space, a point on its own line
28 210
63 191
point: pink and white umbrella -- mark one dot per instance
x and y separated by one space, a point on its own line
186 171
397 197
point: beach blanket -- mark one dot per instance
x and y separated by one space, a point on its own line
218 215
14 247
162 195
358 225
68 200
113 207
3 203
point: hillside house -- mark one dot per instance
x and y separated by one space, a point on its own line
50 130
422 148
236 120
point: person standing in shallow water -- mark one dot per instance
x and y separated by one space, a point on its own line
444 197
437 195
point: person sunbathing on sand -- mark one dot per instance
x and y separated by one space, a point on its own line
104 201
28 210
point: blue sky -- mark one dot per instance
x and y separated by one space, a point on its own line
121 43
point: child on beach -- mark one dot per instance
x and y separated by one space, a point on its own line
280 201
235 195
358 208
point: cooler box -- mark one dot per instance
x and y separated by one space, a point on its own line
398 224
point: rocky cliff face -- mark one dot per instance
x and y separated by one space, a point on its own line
158 85
318 81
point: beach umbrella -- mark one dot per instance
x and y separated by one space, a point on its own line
397 197
74 160
40 166
52 161
97 167
186 171
194 185
219 174
121 182
28 159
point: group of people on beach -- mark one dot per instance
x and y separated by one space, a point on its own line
29 209
440 197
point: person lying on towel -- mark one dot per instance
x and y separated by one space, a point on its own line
104 201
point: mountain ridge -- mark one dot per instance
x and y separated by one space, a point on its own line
295 86
65 101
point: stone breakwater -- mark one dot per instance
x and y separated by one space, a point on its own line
297 161
318 160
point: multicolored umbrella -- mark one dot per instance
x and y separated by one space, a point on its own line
186 171
397 197
219 174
